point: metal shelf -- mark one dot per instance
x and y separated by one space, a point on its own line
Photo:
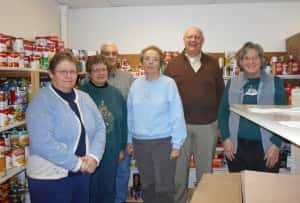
16 124
11 172
288 77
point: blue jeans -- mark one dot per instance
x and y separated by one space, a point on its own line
103 182
122 179
74 189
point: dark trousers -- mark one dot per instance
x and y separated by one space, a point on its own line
74 189
250 156
103 182
156 169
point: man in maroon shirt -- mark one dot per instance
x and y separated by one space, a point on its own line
200 83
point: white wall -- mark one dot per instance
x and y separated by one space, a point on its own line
225 26
29 18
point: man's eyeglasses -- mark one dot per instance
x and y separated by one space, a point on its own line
197 37
108 53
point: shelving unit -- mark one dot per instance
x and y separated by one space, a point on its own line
289 77
14 171
16 124
11 173
33 74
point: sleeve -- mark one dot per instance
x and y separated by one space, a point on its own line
124 123
167 71
129 116
43 142
280 99
220 84
97 143
223 113
179 131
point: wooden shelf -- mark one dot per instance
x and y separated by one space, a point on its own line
288 77
16 124
11 172
23 69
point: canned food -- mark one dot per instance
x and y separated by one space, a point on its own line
13 59
23 138
8 159
18 156
3 45
2 157
35 61
38 51
14 138
3 119
3 59
18 45
26 62
3 100
52 39
28 49
295 68
41 41
21 61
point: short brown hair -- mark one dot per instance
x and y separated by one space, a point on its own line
245 48
62 56
154 48
93 60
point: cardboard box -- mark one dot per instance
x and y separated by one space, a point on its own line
293 46
247 187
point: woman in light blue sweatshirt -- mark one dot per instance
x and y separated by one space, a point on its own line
156 128
67 137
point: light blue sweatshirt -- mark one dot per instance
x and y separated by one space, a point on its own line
155 111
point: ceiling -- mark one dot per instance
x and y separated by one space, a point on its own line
73 4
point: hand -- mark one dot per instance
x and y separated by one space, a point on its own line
84 164
130 149
228 149
272 156
121 155
175 153
89 164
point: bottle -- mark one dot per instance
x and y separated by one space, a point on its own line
290 62
273 64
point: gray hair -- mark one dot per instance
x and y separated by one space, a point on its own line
246 47
108 44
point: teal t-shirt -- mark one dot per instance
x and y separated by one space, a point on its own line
248 129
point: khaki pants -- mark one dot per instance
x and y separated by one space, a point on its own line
201 142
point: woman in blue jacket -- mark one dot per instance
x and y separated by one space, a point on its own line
67 137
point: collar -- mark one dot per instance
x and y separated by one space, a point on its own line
112 72
97 86
198 57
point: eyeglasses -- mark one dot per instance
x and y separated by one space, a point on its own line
108 53
255 58
65 72
153 59
197 37
98 69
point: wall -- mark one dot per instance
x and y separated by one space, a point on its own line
226 26
29 18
